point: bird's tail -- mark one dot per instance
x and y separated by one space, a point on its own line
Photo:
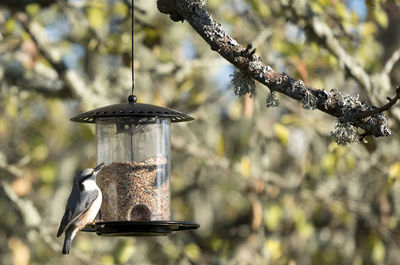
67 242
67 246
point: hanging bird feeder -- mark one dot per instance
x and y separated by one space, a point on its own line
133 140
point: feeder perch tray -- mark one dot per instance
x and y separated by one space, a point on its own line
138 228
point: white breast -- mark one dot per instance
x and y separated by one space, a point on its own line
90 185
92 212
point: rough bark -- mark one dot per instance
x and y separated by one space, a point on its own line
348 110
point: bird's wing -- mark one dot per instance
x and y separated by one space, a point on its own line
75 208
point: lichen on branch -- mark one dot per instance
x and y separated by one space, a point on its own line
242 84
272 101
349 110
344 133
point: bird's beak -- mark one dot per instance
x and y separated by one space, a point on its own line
98 168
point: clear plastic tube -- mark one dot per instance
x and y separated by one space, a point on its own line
136 179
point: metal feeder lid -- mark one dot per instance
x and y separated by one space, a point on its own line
131 109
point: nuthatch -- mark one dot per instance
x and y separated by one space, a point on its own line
82 207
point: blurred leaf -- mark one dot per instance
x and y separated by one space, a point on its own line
245 166
282 133
304 228
11 108
214 3
220 147
272 217
381 17
274 248
124 251
291 119
316 7
10 25
84 244
187 86
153 38
169 248
394 170
40 152
328 163
107 260
260 7
350 161
341 10
235 110
394 174
120 9
368 29
198 97
96 15
216 244
332 147
367 52
47 174
378 252
332 60
324 3
32 9
192 251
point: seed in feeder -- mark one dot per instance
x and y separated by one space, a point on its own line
127 185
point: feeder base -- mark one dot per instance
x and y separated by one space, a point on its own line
138 228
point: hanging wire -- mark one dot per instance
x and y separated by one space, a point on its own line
133 28
132 97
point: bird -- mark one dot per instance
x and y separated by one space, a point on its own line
82 207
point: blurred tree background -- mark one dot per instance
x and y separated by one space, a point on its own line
267 185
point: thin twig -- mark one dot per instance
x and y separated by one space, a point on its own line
324 33
392 61
385 107
24 20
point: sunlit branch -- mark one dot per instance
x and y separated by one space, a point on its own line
247 61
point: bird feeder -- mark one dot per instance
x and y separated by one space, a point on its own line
133 140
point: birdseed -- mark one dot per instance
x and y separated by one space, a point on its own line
135 191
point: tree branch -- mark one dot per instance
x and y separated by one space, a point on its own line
385 107
74 84
58 66
391 62
246 60
322 33
28 211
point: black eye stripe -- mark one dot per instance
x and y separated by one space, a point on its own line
86 177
